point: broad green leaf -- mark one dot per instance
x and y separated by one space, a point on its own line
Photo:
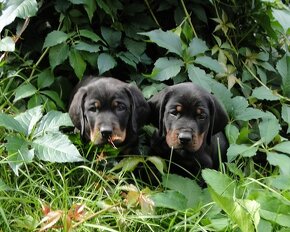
112 37
45 79
137 48
170 199
241 149
166 39
54 38
90 35
9 123
128 58
283 17
58 54
285 113
245 213
77 63
54 96
152 89
232 133
283 147
280 219
158 162
221 183
128 164
283 67
269 128
249 114
105 63
17 8
199 77
166 68
56 147
24 91
264 93
197 46
90 7
223 94
187 187
83 46
29 118
34 101
18 151
7 44
209 63
280 160
51 122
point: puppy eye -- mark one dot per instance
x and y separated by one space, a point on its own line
174 113
121 107
202 116
93 109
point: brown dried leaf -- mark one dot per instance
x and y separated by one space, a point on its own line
50 219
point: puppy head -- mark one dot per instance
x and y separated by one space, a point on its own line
188 116
104 111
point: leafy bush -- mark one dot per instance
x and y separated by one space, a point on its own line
237 50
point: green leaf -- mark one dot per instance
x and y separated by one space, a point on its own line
269 128
245 213
24 91
18 151
111 36
90 35
51 122
9 123
166 68
54 96
285 113
283 147
249 114
221 183
54 38
279 218
283 17
158 162
17 8
197 46
77 63
166 39
56 147
29 118
45 79
58 54
210 63
187 187
170 199
90 7
83 46
283 67
232 133
7 44
264 93
128 164
241 149
137 48
280 160
105 63
199 77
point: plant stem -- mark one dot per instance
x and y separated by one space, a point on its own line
188 18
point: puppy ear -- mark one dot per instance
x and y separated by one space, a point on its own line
76 110
219 118
139 108
157 104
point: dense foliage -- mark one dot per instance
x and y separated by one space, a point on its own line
238 50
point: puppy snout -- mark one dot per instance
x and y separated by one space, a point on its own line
185 137
106 132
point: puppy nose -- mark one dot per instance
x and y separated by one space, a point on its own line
106 132
185 137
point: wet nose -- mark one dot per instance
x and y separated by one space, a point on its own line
185 137
106 132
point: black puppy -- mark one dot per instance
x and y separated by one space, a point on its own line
107 110
189 121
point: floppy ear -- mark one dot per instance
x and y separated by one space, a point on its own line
139 108
157 104
76 110
219 118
